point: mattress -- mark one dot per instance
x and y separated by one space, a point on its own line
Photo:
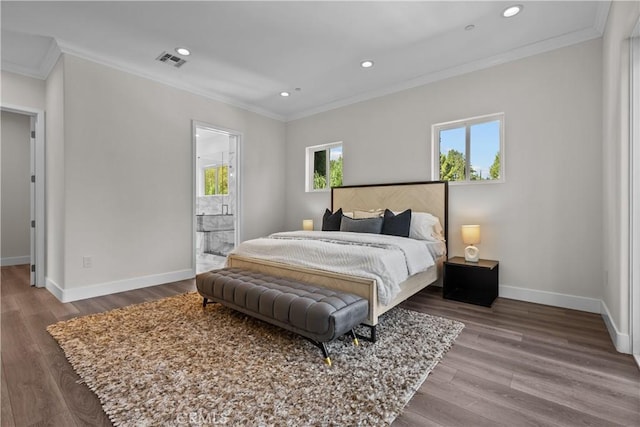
389 260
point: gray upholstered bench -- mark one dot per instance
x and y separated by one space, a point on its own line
318 314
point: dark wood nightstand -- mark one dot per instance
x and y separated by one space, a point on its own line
472 282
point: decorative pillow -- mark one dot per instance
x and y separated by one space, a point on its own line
374 213
425 226
397 225
366 225
331 221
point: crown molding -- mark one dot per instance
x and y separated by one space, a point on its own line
107 62
44 68
602 13
50 59
23 71
513 55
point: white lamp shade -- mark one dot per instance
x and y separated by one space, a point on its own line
307 224
471 234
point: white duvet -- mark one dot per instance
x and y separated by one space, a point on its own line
388 259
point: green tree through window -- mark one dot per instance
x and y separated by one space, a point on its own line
216 180
494 170
324 166
452 166
335 167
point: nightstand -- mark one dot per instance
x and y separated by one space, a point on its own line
472 282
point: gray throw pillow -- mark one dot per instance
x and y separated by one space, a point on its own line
367 225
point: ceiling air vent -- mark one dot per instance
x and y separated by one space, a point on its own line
176 61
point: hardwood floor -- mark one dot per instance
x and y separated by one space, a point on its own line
515 364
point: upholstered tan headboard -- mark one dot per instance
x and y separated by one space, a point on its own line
429 196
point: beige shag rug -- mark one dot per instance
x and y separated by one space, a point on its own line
171 362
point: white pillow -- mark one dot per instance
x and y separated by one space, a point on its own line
425 226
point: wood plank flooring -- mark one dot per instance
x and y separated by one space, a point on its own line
515 364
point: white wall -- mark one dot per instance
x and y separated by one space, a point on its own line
15 188
128 174
544 223
615 157
22 91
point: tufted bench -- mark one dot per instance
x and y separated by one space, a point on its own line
318 314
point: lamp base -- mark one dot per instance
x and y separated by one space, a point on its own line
471 254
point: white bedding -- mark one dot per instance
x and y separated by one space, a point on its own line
389 260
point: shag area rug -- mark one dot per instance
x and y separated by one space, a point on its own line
172 362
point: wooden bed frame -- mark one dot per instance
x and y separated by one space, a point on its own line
430 196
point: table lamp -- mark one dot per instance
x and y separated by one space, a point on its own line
307 224
471 236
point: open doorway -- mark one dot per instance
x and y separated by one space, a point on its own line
23 190
216 195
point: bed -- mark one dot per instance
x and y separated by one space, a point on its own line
430 196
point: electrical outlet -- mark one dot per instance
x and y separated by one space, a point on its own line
87 262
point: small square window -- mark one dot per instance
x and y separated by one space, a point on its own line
469 150
324 167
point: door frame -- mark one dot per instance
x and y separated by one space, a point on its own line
634 194
39 198
195 124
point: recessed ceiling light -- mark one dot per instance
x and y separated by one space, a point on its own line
183 51
366 64
469 27
512 10
284 93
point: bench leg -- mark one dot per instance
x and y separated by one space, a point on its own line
325 352
354 337
322 346
205 302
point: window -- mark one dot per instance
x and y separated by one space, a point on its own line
216 180
324 167
470 150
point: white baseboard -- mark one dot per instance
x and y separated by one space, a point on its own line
621 341
636 357
15 260
554 299
56 290
100 289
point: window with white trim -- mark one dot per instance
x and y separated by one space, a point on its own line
216 180
469 150
324 167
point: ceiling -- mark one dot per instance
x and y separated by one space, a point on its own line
246 53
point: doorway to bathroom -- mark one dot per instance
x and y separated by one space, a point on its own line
216 194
